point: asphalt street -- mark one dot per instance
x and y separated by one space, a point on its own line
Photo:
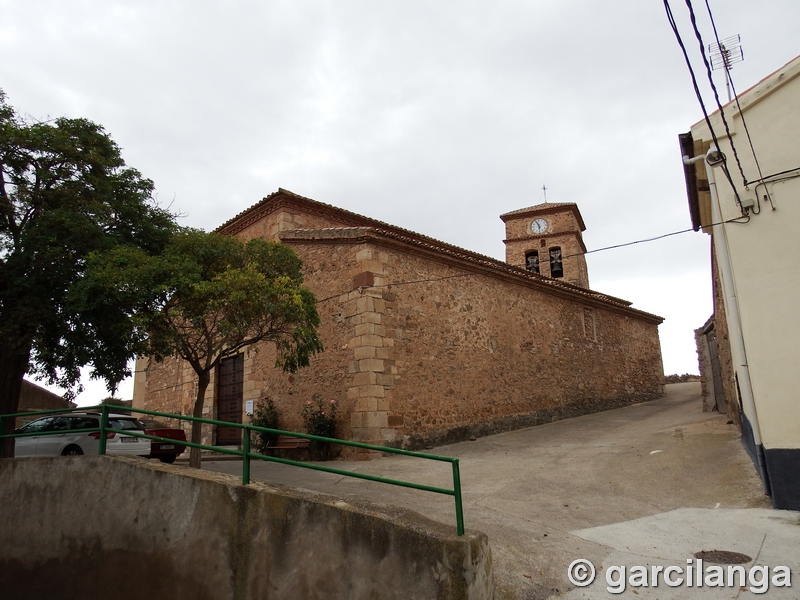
649 484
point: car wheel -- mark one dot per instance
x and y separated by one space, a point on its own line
72 451
169 459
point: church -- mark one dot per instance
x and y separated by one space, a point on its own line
427 343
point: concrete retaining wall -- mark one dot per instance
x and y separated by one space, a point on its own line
114 527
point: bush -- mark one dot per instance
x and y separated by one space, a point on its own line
111 400
319 418
264 415
686 377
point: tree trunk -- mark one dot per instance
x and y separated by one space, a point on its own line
203 379
13 366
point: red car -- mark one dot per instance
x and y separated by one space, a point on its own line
164 451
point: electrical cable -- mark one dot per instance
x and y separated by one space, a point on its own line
773 179
711 78
699 37
674 26
738 106
737 220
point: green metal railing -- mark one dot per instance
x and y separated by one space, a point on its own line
247 454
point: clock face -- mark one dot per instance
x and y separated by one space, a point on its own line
539 226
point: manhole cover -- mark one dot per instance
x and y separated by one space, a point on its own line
723 557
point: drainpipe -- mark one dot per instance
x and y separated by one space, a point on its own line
714 158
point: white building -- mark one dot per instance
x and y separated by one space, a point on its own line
748 199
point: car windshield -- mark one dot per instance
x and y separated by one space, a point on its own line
116 423
37 425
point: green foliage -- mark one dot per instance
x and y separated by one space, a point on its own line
319 417
216 295
66 194
264 415
112 401
221 294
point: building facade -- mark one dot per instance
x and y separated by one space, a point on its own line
425 342
743 189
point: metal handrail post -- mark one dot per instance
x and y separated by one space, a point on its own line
103 428
457 496
246 456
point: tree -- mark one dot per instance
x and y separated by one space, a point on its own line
219 294
65 192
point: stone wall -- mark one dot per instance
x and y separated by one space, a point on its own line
707 391
724 345
475 354
423 346
127 528
33 398
560 217
443 354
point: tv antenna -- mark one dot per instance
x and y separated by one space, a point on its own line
724 55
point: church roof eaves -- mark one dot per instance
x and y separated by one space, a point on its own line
282 196
545 208
465 259
360 226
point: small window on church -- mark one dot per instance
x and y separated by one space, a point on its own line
556 267
532 261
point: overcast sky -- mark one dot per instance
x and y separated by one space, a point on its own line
436 116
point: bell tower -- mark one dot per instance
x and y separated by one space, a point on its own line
546 239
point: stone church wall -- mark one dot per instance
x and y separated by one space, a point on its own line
476 355
422 349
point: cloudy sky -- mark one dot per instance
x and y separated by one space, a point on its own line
436 116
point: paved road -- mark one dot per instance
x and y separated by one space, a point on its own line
647 484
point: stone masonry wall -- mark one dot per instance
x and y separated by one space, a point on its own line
420 351
476 355
724 345
561 219
415 364
171 386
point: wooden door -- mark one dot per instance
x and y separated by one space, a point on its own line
229 399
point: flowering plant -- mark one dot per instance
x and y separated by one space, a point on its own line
264 415
319 416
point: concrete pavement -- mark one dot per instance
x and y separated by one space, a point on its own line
649 484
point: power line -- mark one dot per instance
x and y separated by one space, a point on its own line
739 107
473 274
737 220
674 26
714 87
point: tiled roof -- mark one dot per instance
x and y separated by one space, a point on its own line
545 208
361 226
274 197
536 207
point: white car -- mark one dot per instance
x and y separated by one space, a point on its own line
70 442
